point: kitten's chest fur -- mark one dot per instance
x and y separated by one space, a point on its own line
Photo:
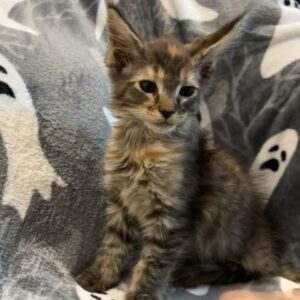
145 171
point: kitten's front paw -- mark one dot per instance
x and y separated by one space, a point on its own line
92 283
141 296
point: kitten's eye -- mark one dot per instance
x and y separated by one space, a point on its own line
187 91
148 86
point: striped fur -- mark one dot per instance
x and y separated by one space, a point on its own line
170 193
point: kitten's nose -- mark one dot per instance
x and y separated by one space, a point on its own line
167 113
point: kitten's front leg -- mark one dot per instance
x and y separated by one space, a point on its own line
113 253
162 246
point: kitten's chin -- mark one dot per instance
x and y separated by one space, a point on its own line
162 128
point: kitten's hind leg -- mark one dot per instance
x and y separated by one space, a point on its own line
261 253
114 251
290 266
194 273
290 273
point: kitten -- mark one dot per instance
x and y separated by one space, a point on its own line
190 207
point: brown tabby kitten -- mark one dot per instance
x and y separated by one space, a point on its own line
169 190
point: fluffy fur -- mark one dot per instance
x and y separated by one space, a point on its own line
190 207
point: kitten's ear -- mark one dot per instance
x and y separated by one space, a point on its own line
123 43
205 49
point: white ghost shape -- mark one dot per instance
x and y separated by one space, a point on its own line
28 170
101 19
200 291
286 285
112 294
188 10
279 149
109 116
285 44
5 8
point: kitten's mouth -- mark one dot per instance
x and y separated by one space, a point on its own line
165 124
162 127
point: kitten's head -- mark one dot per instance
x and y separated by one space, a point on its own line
157 83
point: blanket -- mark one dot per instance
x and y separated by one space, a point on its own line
54 123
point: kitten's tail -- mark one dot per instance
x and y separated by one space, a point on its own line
193 275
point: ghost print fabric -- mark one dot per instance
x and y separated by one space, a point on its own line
53 86
54 121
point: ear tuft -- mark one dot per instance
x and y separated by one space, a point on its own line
204 49
123 43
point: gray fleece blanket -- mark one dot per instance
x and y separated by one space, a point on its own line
53 126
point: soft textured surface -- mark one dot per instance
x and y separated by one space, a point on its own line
53 86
